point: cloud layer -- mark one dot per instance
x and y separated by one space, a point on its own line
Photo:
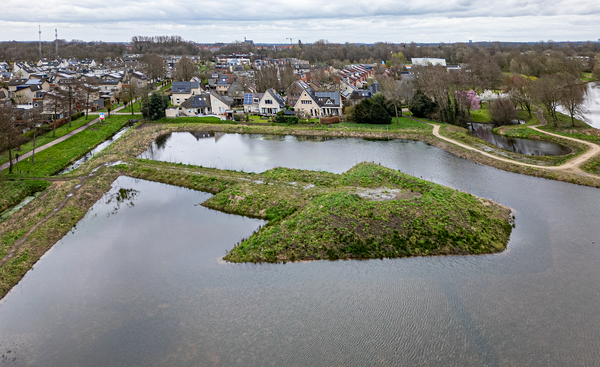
309 20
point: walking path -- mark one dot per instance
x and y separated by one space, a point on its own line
571 165
61 139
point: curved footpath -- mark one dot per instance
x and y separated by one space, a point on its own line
572 165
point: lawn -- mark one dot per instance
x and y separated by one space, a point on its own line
47 137
137 108
57 157
403 124
12 192
481 115
199 120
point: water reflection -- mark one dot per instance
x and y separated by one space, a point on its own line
517 145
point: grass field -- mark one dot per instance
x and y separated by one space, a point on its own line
52 160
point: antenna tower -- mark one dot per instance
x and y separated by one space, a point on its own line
56 40
40 33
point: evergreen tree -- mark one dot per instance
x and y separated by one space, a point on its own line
155 106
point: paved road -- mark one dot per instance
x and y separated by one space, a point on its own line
61 139
571 165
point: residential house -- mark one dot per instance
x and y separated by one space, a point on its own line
3 94
319 104
236 92
110 85
271 102
199 104
358 96
181 91
251 101
139 79
221 105
295 91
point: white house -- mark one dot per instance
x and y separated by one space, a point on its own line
271 103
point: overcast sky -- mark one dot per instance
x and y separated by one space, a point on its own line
273 21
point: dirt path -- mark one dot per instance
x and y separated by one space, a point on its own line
571 166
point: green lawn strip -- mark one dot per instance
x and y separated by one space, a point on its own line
404 123
425 219
52 160
481 115
47 137
581 130
587 77
592 165
465 136
13 192
166 87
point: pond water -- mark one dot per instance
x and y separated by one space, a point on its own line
517 145
143 284
95 151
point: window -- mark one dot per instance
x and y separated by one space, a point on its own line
268 101
256 100
177 100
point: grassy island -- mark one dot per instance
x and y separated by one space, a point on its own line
372 212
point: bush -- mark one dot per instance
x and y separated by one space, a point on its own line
154 107
503 112
283 119
372 111
421 106
76 115
238 117
329 120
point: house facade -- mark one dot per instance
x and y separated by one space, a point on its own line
271 103
181 91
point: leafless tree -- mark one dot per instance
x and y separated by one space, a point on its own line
546 91
129 94
287 76
266 78
436 82
85 93
503 112
185 69
56 102
154 66
11 135
572 98
393 92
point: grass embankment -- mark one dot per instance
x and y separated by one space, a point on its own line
12 192
516 131
47 137
52 160
33 230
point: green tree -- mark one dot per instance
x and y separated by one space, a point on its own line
155 106
420 105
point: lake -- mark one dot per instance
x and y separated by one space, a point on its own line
139 281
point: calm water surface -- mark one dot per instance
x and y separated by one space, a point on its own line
142 284
517 145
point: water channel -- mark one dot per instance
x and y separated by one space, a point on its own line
139 281
592 105
517 145
95 151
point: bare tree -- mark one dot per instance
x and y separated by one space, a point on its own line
154 66
10 134
503 112
185 69
436 82
546 91
266 78
572 98
391 90
55 103
85 93
287 76
129 94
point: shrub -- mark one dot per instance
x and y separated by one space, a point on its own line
503 112
282 119
154 107
421 106
372 111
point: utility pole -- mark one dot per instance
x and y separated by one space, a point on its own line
40 33
56 40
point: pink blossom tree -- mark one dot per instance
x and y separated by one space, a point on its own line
467 100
